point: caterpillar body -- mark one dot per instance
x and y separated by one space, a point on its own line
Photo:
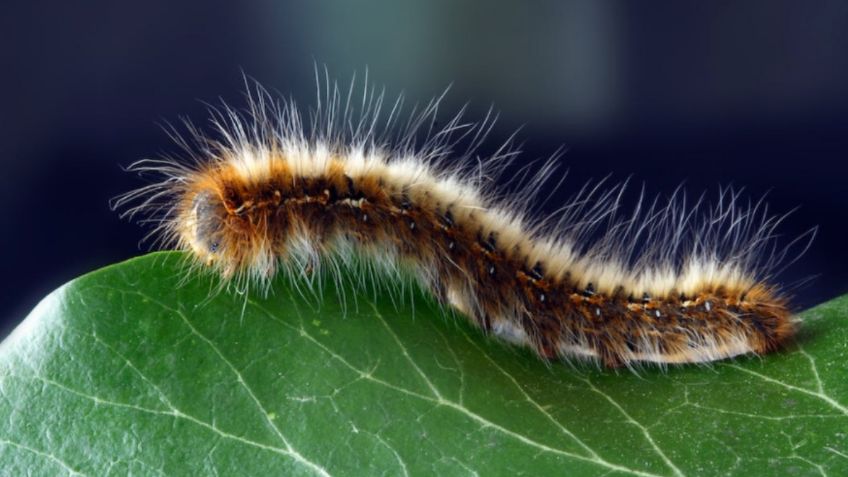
667 283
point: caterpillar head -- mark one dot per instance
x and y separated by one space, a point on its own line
227 236
220 237
204 227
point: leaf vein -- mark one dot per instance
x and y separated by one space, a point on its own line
293 452
644 430
450 404
64 465
824 397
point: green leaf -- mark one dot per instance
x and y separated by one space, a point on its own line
132 370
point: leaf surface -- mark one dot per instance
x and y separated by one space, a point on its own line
131 370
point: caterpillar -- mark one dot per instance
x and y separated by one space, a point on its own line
269 192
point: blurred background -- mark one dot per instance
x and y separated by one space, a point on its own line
706 93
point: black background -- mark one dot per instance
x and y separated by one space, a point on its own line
706 93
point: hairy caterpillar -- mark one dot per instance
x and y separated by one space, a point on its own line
667 283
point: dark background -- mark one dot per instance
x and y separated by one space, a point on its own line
710 93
